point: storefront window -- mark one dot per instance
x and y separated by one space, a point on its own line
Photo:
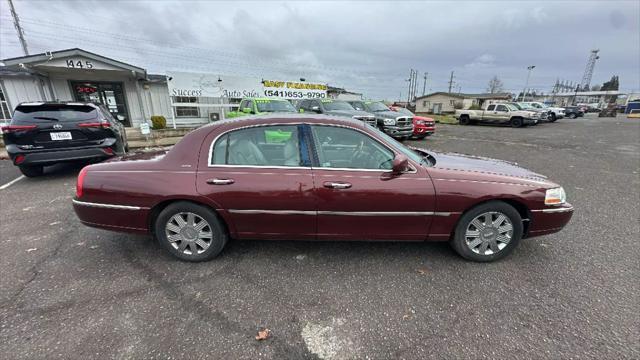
110 94
186 111
5 113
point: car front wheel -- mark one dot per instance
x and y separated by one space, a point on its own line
488 232
190 232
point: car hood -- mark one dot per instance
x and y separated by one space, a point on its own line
466 166
349 113
389 114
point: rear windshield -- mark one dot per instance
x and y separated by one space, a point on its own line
53 112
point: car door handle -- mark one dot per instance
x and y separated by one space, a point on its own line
220 181
337 185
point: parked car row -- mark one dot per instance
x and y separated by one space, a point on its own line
397 122
516 114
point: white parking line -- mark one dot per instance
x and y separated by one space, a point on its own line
12 182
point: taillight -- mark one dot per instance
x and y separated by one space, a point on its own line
80 182
16 128
18 159
103 125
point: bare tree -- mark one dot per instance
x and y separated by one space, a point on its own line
495 85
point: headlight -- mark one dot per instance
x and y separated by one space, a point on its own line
389 121
420 122
555 196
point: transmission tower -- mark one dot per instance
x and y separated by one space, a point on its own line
588 71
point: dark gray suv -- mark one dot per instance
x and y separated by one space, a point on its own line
335 107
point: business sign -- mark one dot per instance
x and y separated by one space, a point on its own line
225 86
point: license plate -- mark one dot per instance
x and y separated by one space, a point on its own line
60 135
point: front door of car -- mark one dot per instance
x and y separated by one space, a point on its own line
503 113
358 198
261 178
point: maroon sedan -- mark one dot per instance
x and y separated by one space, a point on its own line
311 177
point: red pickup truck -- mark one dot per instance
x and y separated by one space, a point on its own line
422 126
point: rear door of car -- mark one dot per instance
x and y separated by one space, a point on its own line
357 196
58 126
260 176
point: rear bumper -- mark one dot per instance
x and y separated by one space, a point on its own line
549 220
52 156
115 217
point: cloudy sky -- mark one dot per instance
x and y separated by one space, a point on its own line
364 46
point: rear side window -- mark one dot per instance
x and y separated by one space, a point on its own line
53 112
259 146
491 107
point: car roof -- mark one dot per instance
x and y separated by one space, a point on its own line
285 118
70 103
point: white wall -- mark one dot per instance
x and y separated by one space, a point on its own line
23 89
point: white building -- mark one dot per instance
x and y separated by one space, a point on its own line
131 94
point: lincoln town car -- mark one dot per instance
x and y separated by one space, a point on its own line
316 177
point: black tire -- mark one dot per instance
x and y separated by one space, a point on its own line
459 241
421 137
218 231
516 122
553 117
572 116
31 171
464 120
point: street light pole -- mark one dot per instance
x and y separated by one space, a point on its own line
530 67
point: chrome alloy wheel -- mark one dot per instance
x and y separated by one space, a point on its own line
189 233
488 233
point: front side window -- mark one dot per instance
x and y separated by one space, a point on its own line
186 111
344 148
501 108
276 145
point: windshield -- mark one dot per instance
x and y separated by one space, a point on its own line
538 105
525 106
411 154
517 106
404 111
512 107
53 112
376 106
275 106
337 105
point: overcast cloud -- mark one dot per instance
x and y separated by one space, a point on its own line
364 46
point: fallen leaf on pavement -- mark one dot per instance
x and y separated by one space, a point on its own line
32 249
263 334
421 271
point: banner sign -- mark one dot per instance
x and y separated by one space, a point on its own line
225 86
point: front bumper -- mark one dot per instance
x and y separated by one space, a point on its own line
549 220
398 131
530 121
419 130
53 156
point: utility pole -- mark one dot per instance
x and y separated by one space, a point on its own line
16 23
450 82
424 85
524 91
415 84
410 80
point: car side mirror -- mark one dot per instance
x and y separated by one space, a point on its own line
246 110
316 109
400 164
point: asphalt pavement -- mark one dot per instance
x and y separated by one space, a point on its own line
69 291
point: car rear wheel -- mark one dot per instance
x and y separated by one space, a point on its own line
190 232
464 120
32 171
488 232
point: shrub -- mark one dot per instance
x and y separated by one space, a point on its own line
158 122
